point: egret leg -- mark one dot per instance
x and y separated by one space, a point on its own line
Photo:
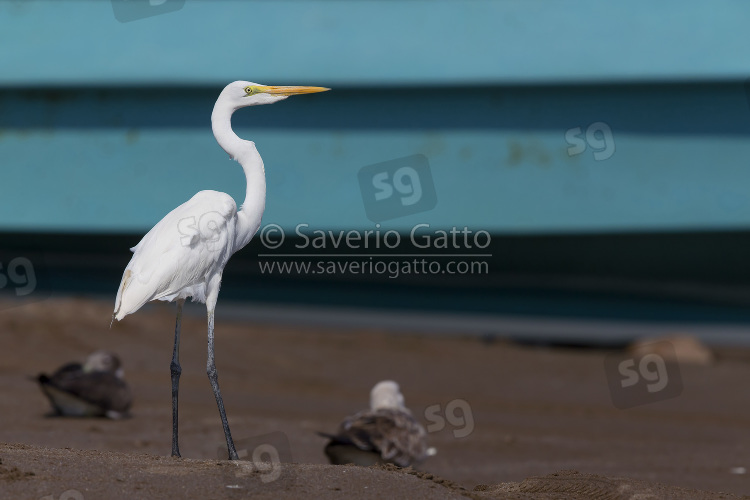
176 371
214 378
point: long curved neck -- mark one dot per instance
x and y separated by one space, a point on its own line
249 215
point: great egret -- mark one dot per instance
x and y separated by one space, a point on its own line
184 254
93 389
385 433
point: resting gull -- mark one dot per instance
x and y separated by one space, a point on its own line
385 433
93 389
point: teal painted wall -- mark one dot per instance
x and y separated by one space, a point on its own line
104 126
375 42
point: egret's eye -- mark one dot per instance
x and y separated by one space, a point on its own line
250 90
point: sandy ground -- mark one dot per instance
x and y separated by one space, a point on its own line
512 417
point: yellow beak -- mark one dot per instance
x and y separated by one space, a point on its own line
290 90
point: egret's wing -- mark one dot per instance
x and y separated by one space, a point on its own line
179 253
395 434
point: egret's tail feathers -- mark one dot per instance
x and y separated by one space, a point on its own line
133 294
126 279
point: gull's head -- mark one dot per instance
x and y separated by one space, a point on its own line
241 94
386 394
102 361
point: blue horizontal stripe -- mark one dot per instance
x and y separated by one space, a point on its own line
412 42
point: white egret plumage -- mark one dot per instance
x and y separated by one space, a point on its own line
184 254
